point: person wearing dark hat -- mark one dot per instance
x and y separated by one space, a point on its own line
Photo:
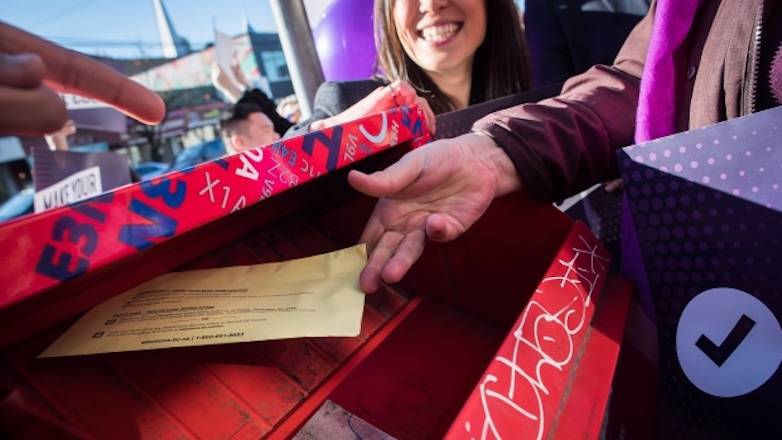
240 92
246 127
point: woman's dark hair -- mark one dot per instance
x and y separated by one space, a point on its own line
499 68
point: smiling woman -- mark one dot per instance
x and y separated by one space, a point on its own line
442 54
454 52
442 43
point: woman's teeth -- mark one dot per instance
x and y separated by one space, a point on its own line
436 34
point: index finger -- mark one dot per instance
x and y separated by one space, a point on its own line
405 91
72 72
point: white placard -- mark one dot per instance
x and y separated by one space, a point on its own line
78 102
224 54
76 187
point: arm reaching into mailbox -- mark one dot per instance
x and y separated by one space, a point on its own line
437 192
551 149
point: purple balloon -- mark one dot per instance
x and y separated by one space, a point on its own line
345 41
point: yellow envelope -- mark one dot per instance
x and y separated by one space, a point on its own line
314 296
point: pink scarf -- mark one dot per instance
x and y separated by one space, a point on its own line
662 86
664 74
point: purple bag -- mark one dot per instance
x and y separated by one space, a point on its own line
707 211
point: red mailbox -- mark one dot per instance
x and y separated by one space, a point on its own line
513 330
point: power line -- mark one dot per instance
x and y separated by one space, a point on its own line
83 42
62 13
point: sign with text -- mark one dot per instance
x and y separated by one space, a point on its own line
64 177
74 188
306 297
78 102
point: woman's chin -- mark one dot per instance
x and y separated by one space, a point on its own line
442 56
442 62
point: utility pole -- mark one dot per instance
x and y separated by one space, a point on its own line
299 48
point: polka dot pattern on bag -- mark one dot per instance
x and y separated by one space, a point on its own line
744 162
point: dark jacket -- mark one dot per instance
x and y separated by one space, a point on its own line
567 37
333 98
565 144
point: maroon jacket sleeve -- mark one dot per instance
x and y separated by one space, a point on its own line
565 144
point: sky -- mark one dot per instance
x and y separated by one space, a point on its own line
127 29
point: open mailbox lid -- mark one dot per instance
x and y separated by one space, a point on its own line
431 349
59 245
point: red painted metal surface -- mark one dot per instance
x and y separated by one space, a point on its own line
244 390
412 372
589 389
522 390
50 248
409 373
